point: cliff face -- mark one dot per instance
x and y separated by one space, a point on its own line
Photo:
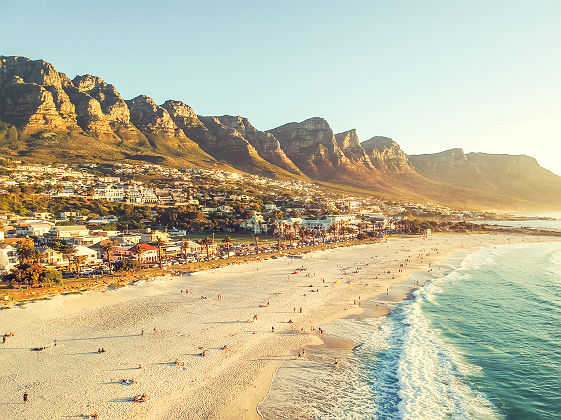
350 145
519 177
265 144
98 104
150 118
311 145
33 96
386 155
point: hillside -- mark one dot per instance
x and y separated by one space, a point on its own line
47 117
518 178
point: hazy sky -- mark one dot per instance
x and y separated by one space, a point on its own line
480 75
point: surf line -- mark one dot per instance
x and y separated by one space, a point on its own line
268 390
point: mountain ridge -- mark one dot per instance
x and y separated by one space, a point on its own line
44 115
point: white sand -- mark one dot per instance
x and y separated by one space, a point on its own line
71 379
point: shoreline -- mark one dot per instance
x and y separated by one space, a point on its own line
367 310
225 384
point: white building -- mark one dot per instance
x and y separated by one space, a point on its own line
33 228
255 224
8 258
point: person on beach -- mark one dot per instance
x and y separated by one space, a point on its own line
155 331
25 397
335 362
142 332
300 309
272 329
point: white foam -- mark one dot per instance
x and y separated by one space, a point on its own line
431 374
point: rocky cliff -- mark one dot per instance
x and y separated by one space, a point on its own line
515 176
312 146
350 145
265 144
33 96
386 155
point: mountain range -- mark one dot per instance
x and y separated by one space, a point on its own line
46 116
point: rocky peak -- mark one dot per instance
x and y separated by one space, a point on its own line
350 145
150 118
266 145
178 109
386 155
311 145
32 95
111 102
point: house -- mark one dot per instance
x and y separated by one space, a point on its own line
103 220
63 232
8 258
33 228
317 224
91 257
49 256
255 224
87 240
128 238
191 247
65 215
150 235
149 253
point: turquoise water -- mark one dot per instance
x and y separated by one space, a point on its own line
504 317
480 341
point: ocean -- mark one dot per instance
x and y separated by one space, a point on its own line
554 224
481 340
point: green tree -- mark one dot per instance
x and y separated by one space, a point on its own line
138 251
160 243
127 265
227 240
108 247
26 250
206 242
68 252
52 275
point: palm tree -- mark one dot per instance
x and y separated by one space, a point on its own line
184 248
160 243
296 226
68 252
277 231
303 235
108 247
206 242
138 251
227 240
78 260
333 230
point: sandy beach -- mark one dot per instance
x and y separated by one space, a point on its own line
53 355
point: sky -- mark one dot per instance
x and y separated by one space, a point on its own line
482 75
